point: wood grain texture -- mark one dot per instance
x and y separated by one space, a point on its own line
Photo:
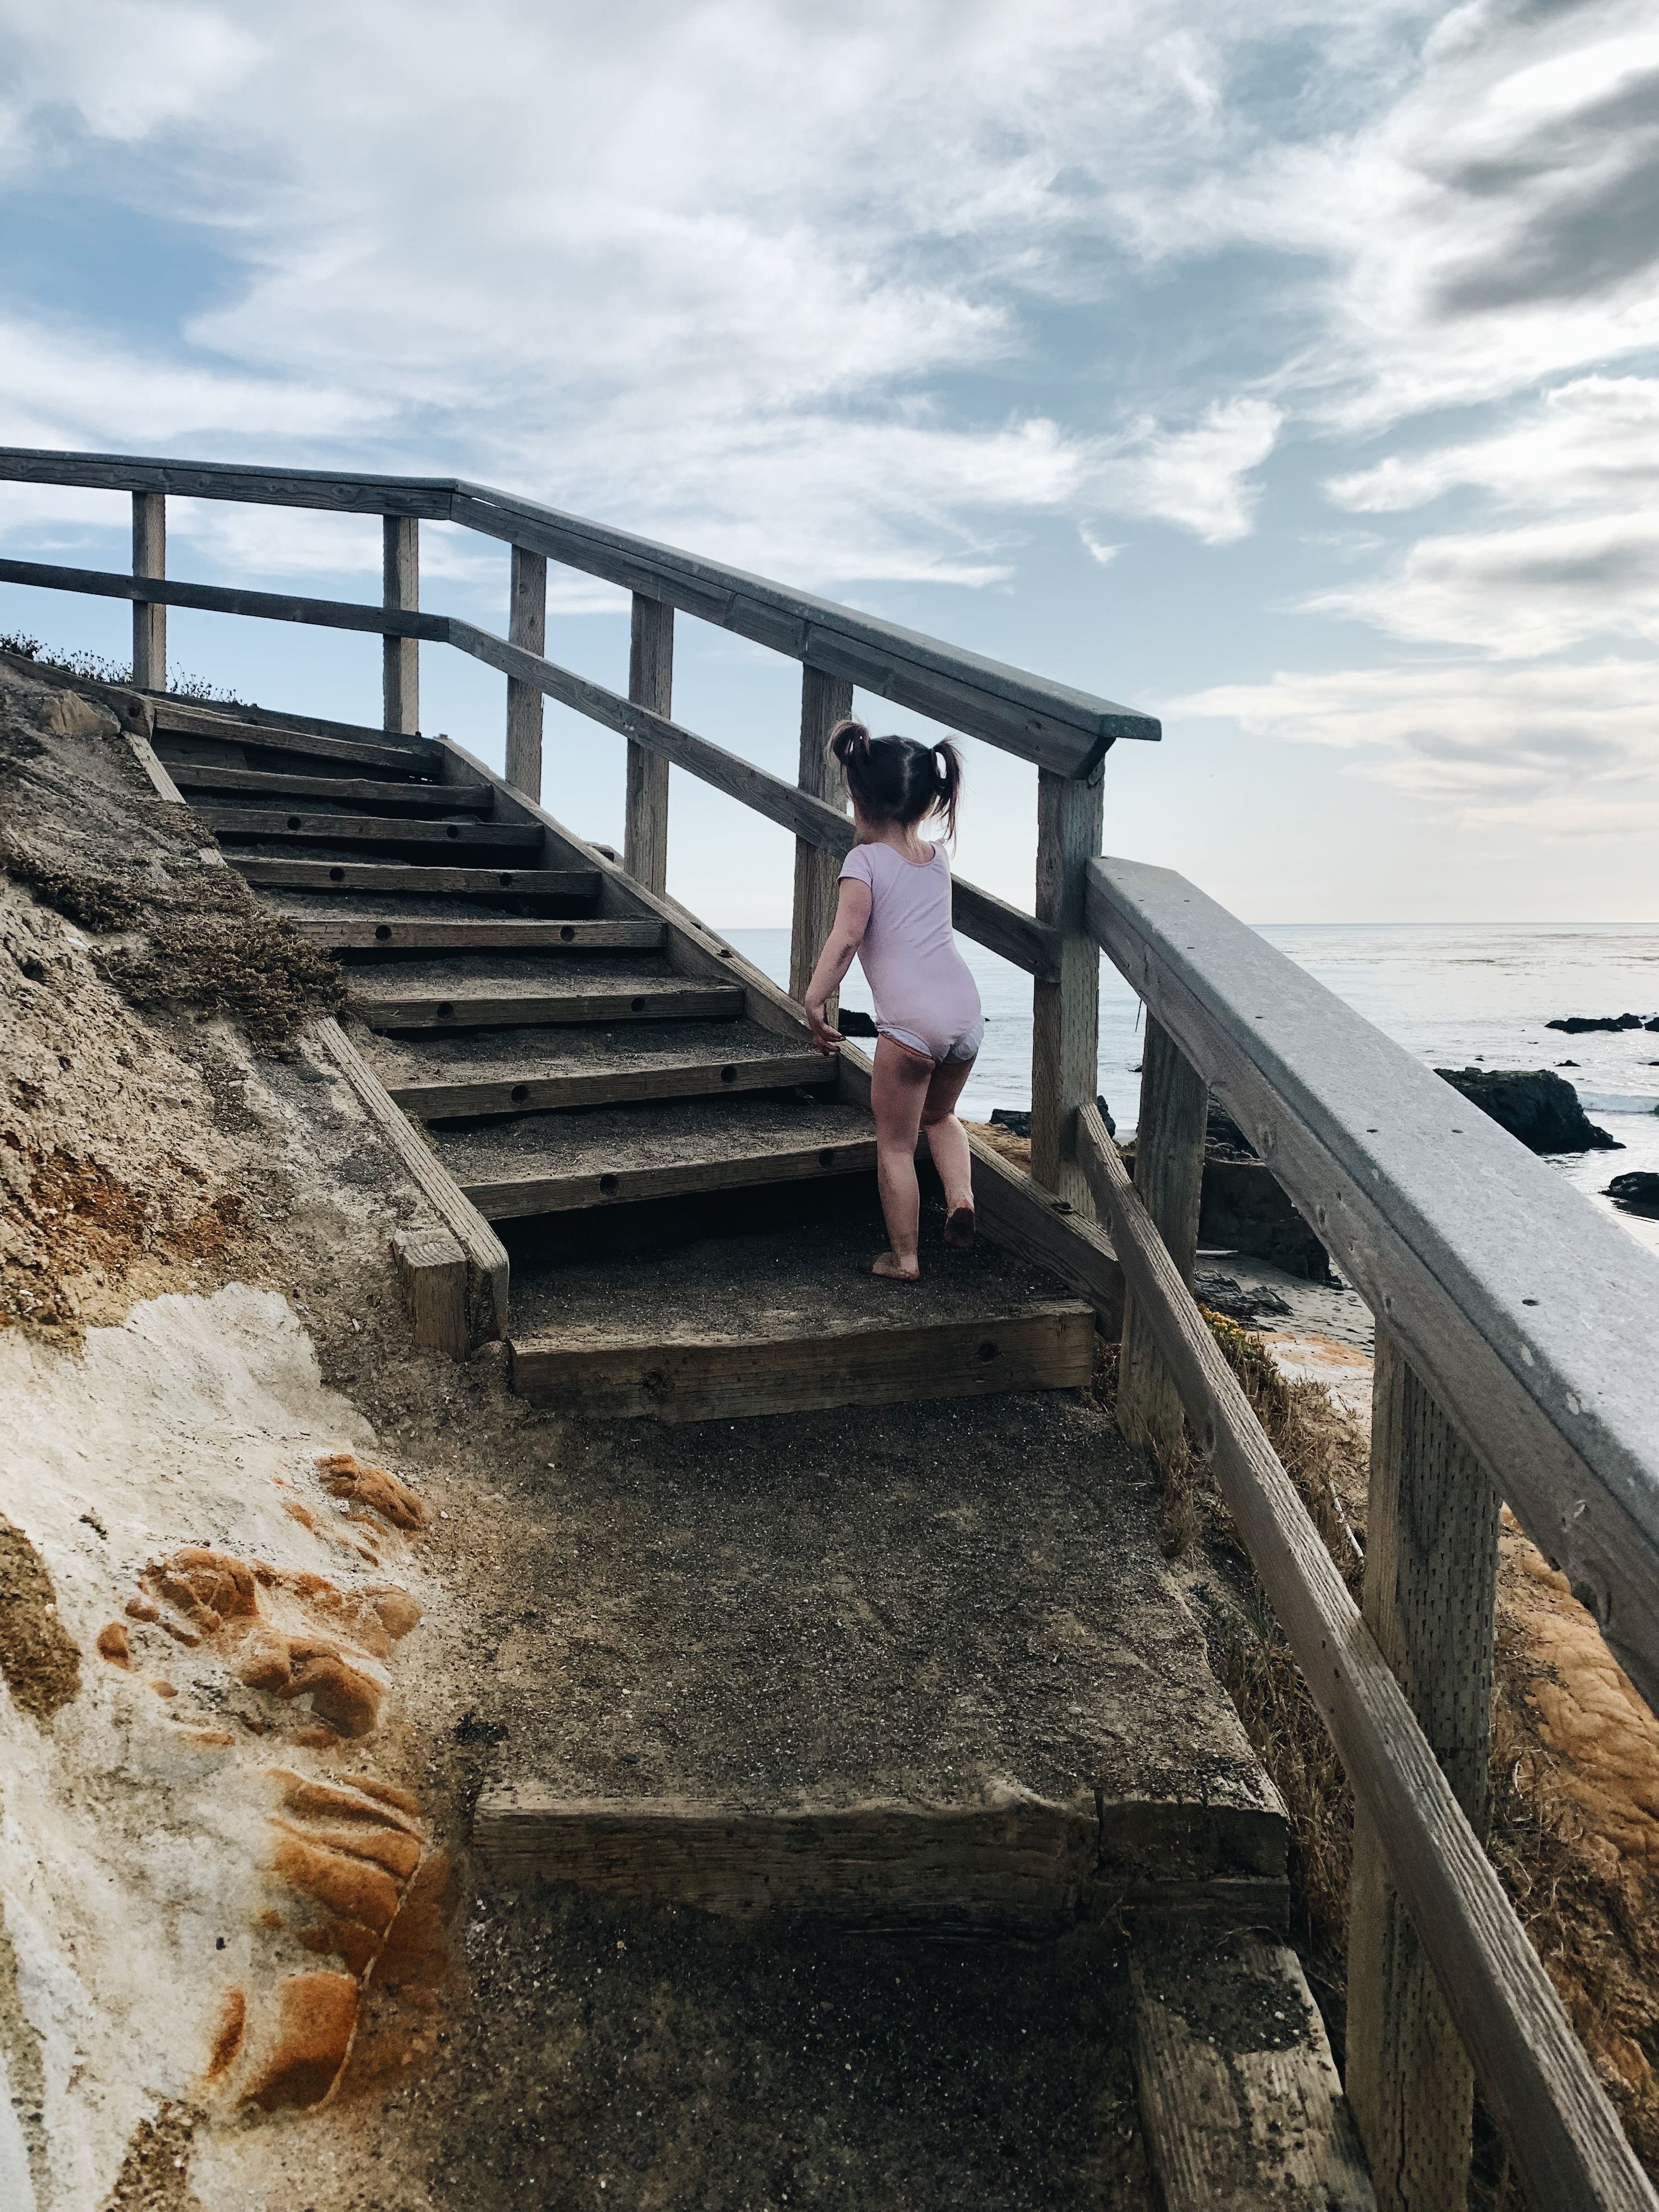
401 566
413 835
534 1006
629 1082
384 795
568 885
216 599
526 626
1025 1863
215 740
1430 1583
651 685
372 935
1526 1313
1240 2103
150 617
432 1268
1019 1214
486 1256
528 1195
1036 1347
230 719
825 701
1168 1179
1540 2087
1066 1008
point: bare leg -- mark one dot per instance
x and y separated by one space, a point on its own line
947 1140
898 1090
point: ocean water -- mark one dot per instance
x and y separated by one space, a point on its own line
1451 996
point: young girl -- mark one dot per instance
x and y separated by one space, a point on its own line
895 913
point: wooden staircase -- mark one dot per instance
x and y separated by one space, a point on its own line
599 1073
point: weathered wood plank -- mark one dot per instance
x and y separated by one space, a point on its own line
650 685
384 795
526 626
327 488
1431 1581
1168 1180
226 746
1038 1347
150 617
369 830
825 701
402 686
1561 2131
1240 2103
541 1006
1065 1007
433 1270
217 599
568 886
1527 1315
1025 1863
1019 1214
486 1256
371 935
400 755
527 1196
629 1082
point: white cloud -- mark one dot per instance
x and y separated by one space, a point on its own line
1566 749
1198 478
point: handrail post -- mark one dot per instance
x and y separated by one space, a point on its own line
1065 1013
650 684
402 678
150 620
1169 1177
526 625
1431 1580
825 701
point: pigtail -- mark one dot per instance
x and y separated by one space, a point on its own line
848 739
947 773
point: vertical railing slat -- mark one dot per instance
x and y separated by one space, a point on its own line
402 595
1431 1580
1065 1013
650 684
526 625
1169 1177
825 701
150 621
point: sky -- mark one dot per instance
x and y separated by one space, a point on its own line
1291 373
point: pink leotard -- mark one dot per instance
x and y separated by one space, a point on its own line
925 996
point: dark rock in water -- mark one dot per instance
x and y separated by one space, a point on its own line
1638 1192
1223 1137
1106 1115
1241 1209
1012 1118
1579 1024
853 1022
1535 1105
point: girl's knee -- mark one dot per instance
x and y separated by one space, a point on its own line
933 1117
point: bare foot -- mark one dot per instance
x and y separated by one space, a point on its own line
959 1229
891 1269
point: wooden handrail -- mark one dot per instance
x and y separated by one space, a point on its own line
1538 2081
1061 729
1528 1314
991 921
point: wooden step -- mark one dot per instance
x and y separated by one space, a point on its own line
220 742
339 934
574 885
526 1196
371 830
376 791
525 1006
535 1090
804 1366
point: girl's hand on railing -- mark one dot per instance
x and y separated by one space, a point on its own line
828 1040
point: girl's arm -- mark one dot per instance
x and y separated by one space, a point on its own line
846 935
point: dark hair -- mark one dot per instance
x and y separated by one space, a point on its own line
899 779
